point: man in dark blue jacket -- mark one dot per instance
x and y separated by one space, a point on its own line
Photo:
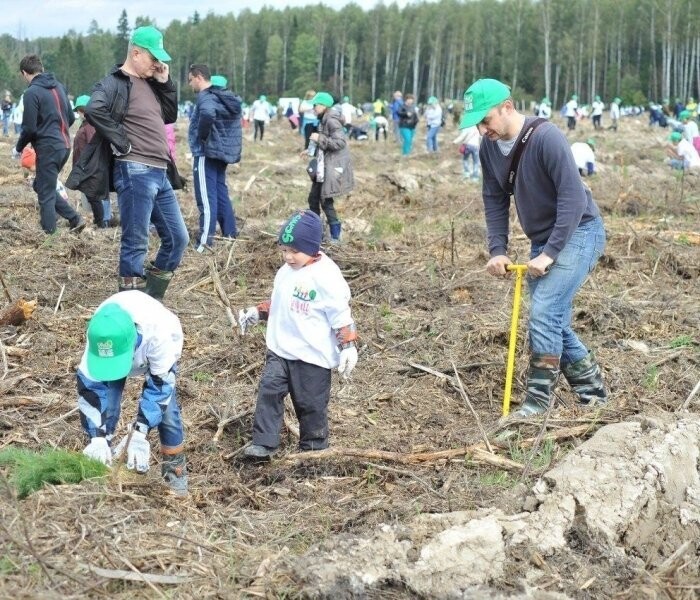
47 118
215 139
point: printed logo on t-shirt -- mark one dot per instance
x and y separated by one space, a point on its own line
302 299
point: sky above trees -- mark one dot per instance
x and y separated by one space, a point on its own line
58 17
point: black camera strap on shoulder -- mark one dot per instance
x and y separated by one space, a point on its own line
520 144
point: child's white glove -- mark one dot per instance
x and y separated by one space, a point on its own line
15 154
138 452
98 449
247 318
348 360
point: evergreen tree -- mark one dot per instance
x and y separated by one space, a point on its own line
121 41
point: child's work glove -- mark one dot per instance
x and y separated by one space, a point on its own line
348 360
247 318
15 154
98 449
138 450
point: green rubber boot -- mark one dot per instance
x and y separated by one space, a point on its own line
586 380
541 377
157 281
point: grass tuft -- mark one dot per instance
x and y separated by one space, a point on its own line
29 470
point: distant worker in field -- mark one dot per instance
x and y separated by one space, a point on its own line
469 140
570 111
614 113
347 110
216 139
544 110
692 107
584 156
381 125
46 119
310 331
690 129
597 113
378 108
132 334
334 175
394 106
567 237
408 119
433 119
309 120
682 154
260 112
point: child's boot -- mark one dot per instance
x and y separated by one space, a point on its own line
335 232
174 472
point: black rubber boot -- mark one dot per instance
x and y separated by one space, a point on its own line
585 378
157 281
541 377
132 283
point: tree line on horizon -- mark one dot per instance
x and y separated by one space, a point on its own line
640 50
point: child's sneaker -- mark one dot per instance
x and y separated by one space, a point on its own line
174 472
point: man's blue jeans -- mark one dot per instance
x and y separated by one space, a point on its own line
146 196
471 152
552 296
431 140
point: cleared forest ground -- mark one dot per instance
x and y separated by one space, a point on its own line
414 256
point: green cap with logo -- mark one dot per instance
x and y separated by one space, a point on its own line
675 136
219 81
323 98
82 101
111 336
149 38
480 98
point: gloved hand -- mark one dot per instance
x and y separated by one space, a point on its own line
99 449
348 360
15 154
247 318
138 452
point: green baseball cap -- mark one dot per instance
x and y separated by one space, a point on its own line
684 114
323 98
219 81
111 336
150 39
432 100
617 100
82 101
346 98
591 142
675 136
480 98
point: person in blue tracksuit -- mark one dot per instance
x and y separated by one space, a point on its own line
215 138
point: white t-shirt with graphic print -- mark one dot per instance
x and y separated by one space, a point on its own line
307 306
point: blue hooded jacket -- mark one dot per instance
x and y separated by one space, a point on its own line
215 126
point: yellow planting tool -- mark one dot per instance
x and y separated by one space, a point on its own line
510 367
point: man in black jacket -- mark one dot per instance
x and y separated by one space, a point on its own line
47 118
128 110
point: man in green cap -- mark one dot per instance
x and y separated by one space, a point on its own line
597 107
558 215
129 109
614 113
571 112
133 334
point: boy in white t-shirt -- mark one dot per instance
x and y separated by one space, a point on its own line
132 333
310 331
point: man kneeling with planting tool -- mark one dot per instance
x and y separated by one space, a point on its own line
131 333
528 159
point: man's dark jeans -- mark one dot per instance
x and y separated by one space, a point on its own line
49 162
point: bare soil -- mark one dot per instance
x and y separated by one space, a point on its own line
414 257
